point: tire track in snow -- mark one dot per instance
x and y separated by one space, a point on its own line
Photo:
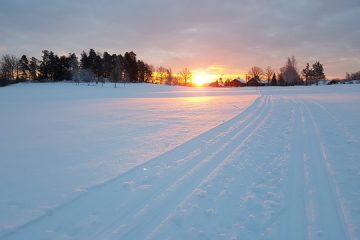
84 210
325 209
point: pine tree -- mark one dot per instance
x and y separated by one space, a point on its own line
62 68
318 72
273 80
92 59
85 61
116 72
148 72
307 73
33 68
98 67
315 73
141 71
45 65
107 64
24 67
130 64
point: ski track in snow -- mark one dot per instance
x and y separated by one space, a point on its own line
140 200
335 215
326 218
212 187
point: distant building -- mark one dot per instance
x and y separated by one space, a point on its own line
237 82
255 82
215 84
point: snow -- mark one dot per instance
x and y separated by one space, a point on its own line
62 138
159 162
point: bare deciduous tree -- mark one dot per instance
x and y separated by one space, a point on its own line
185 75
169 77
9 66
256 72
289 72
268 72
116 73
352 76
74 70
161 74
87 75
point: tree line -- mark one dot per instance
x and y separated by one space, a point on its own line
353 76
288 75
91 67
96 67
162 75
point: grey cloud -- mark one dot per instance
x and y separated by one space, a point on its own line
235 33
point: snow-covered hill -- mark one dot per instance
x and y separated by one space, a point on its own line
157 162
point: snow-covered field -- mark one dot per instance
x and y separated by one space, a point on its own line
159 162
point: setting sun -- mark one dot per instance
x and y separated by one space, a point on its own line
202 78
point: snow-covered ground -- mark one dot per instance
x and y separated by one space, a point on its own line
57 140
279 163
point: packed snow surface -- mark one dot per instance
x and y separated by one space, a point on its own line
157 162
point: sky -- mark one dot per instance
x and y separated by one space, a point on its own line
216 36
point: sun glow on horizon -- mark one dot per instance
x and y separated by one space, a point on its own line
202 78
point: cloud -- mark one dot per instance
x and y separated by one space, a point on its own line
187 33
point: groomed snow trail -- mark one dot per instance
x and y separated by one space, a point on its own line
265 174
